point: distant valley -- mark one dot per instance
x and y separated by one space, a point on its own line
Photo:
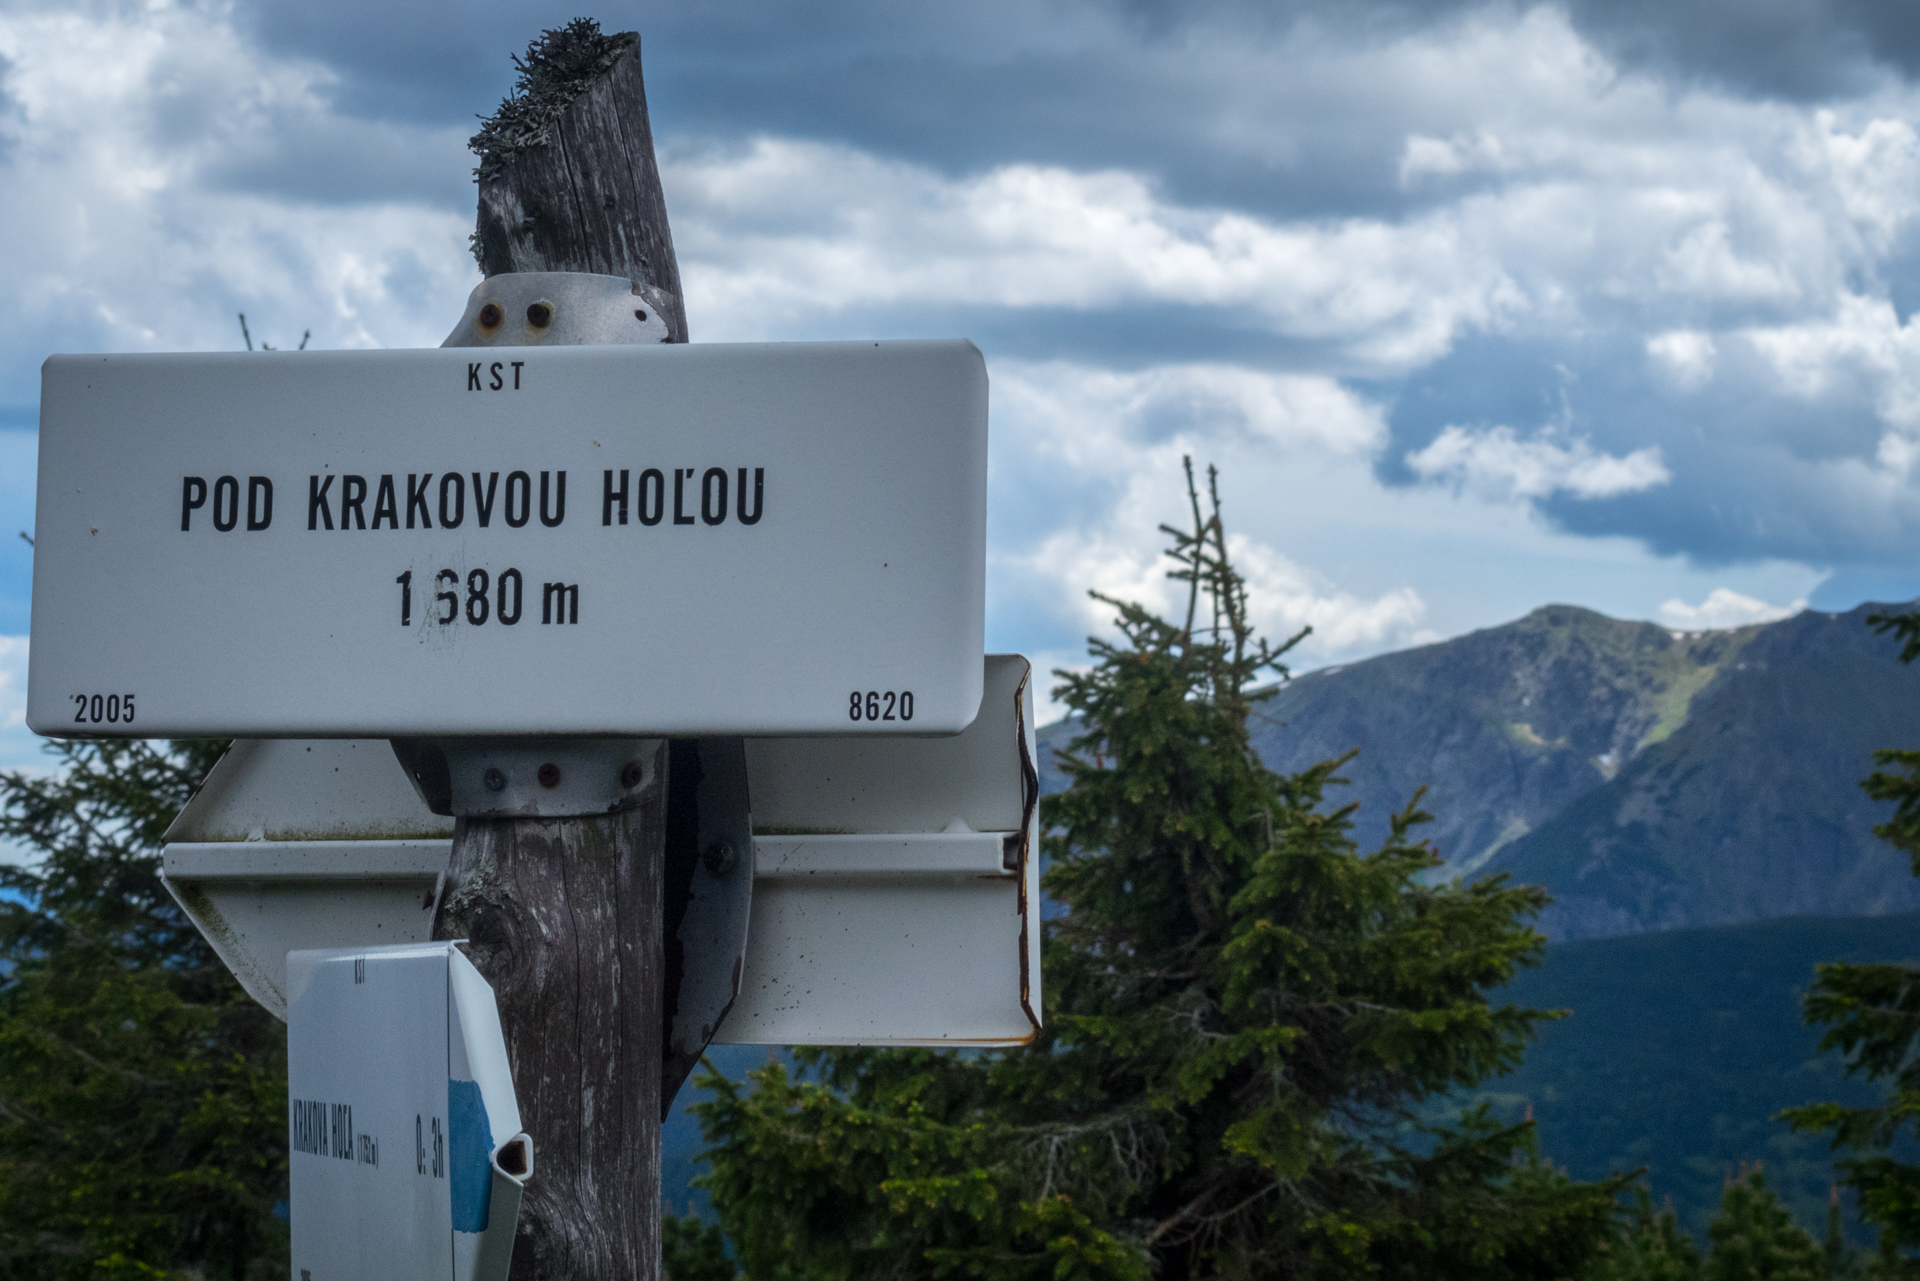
1680 1047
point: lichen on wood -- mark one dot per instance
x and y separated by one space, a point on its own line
558 67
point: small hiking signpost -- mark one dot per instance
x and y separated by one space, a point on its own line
596 697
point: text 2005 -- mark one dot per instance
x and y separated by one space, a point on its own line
98 709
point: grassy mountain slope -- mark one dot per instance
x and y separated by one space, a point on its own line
1508 726
1680 1048
1750 809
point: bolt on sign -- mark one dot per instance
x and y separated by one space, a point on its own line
758 539
406 1160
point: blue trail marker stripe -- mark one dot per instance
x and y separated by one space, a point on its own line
470 1140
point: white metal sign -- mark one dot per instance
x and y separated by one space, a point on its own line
896 884
710 539
407 1157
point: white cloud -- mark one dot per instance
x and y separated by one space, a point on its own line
19 746
1445 157
785 229
1122 564
1118 439
13 692
1605 188
158 173
1496 462
1875 173
1557 198
1046 708
1286 410
1282 597
1724 608
1687 355
855 230
1858 342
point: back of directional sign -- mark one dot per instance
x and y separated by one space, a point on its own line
895 881
754 539
896 890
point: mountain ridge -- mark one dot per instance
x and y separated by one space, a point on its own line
1648 777
1711 827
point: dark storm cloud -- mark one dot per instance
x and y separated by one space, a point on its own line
1129 337
1214 99
342 162
1207 101
1798 49
12 113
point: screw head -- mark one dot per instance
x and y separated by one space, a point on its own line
630 776
549 775
491 315
540 314
495 780
720 858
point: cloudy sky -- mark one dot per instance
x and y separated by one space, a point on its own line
1477 307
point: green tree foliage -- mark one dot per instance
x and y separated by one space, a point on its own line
694 1251
142 1094
1651 1247
1755 1239
1872 1015
1901 782
1247 1020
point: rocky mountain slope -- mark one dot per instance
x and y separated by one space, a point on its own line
1650 779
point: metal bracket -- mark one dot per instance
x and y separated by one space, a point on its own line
544 777
525 777
562 309
707 882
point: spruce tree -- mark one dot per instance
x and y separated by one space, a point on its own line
1650 1247
1755 1239
1251 1029
1872 1016
142 1093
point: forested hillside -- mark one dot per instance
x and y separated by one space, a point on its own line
1680 1048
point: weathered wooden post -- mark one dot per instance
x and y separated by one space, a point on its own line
559 887
567 175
